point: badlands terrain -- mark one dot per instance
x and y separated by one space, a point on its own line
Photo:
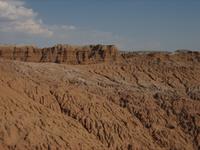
98 98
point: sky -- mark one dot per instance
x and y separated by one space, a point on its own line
129 24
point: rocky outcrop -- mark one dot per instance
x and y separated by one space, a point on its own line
61 54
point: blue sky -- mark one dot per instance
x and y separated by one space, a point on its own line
130 24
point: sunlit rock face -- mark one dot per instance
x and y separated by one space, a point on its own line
61 53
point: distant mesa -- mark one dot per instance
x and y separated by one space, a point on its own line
60 53
88 54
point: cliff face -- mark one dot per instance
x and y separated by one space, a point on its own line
61 54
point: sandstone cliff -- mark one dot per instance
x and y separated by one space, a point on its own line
61 54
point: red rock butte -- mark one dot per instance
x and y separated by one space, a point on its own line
61 53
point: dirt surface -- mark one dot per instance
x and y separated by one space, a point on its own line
143 101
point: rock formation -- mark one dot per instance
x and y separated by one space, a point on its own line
61 54
145 101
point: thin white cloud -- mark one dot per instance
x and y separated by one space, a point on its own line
62 28
15 17
78 35
71 27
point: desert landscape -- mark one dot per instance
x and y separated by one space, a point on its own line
98 97
99 75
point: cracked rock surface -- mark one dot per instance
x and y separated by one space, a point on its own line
144 101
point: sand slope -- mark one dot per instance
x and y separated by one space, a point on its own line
143 101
